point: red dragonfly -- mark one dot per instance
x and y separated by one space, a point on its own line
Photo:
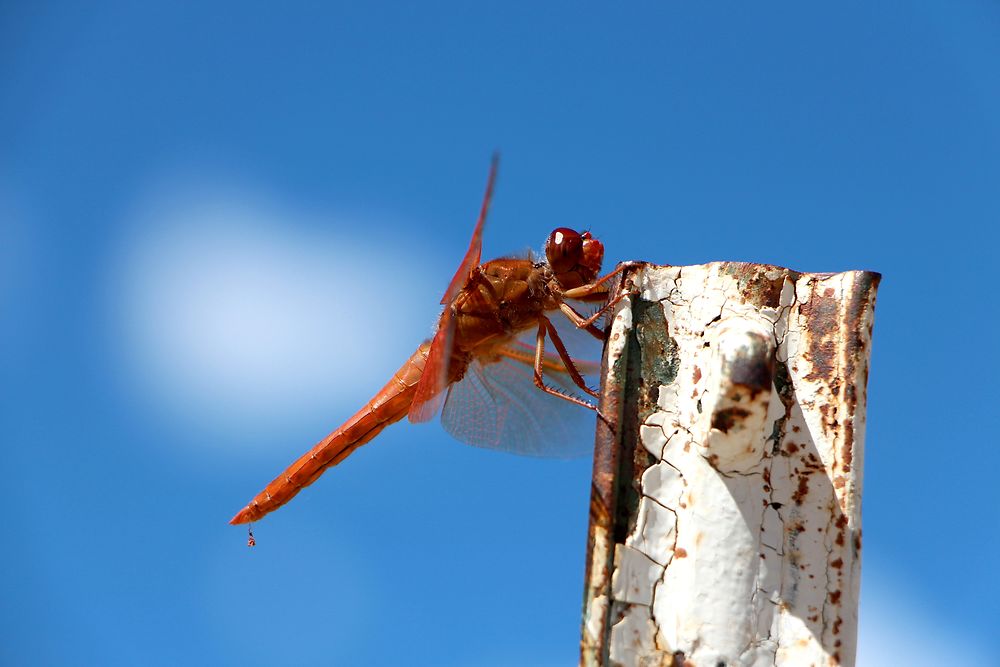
486 382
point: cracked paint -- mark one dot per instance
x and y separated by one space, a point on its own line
732 532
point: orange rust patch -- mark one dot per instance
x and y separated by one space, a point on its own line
821 313
680 552
697 374
802 491
847 451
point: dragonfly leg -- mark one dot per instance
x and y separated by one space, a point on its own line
540 364
580 321
543 326
597 287
567 361
587 323
589 292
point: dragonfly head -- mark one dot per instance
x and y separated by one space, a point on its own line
575 258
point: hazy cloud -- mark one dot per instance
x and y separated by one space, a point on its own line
236 312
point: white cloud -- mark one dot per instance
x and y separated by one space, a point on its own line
896 628
235 313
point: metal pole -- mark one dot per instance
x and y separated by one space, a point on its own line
725 525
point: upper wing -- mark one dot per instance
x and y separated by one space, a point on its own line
430 392
474 254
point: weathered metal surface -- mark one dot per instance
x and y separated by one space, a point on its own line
726 508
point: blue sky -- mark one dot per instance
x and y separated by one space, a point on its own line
222 228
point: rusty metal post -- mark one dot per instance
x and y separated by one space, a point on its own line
725 525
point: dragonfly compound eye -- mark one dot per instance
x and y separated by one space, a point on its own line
563 249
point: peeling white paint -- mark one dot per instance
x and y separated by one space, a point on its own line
745 546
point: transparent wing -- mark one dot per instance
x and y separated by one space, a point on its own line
430 391
474 253
497 406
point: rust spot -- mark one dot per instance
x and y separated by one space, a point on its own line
792 447
838 564
680 552
840 539
847 451
796 429
757 287
821 313
680 660
836 628
851 395
835 597
697 374
857 541
802 491
724 420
